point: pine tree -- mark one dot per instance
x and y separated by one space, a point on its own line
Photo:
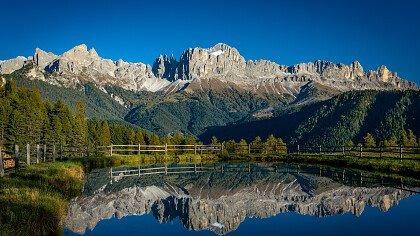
404 138
105 134
243 145
154 139
270 144
80 125
139 139
391 142
190 140
369 141
177 139
94 130
281 146
412 139
214 140
131 136
257 142
350 144
230 146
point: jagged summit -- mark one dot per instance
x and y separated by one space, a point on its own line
221 62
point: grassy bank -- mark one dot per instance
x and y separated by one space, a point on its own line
34 200
386 165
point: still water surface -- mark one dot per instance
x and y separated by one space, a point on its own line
243 199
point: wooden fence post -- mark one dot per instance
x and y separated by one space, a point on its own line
401 152
320 150
38 153
166 152
28 154
45 153
380 151
139 149
61 152
16 157
110 152
54 153
344 150
1 164
195 148
298 151
249 148
221 146
361 151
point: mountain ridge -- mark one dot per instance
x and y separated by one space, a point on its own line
220 61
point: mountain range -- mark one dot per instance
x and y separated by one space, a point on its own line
220 202
205 87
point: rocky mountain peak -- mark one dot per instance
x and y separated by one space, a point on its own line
383 73
42 58
8 66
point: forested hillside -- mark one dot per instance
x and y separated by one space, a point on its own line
26 119
98 104
349 116
211 105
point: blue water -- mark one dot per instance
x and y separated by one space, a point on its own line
403 219
400 219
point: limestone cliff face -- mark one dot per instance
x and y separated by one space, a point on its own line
8 66
225 63
208 203
220 62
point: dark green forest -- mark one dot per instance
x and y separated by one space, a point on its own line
26 119
387 115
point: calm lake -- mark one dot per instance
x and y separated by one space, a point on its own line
243 199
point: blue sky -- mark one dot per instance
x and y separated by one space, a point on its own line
287 32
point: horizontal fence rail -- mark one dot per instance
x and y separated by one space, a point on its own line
348 177
30 154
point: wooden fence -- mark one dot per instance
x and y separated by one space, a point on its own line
30 154
341 175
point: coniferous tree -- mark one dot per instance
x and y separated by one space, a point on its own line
350 144
79 131
270 144
214 140
139 138
105 134
391 142
369 141
243 146
281 146
230 146
412 139
190 140
154 139
131 136
94 131
404 138
177 139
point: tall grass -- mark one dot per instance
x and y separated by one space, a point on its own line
34 200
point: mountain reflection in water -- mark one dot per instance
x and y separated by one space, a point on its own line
221 198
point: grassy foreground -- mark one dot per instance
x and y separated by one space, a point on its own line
34 200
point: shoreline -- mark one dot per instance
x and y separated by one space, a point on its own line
36 197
